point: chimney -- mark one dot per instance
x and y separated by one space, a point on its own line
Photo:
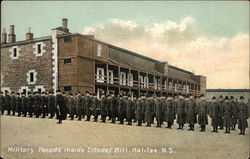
12 36
65 24
29 35
4 36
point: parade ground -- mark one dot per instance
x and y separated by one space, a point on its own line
31 138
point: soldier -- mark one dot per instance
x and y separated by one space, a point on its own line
113 108
37 103
148 111
79 105
158 111
181 114
202 113
221 103
71 106
122 108
215 114
243 115
95 105
104 107
18 104
227 114
87 106
24 104
129 110
13 103
139 111
2 103
169 112
30 104
44 104
8 102
191 112
61 108
51 105
234 112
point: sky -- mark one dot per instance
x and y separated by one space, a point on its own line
209 38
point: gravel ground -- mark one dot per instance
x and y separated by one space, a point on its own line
30 138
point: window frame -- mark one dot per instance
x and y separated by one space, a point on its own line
100 78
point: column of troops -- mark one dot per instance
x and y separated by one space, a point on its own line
225 112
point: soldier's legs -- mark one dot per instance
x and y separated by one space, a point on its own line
139 122
79 117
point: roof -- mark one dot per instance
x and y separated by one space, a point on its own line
228 90
179 69
26 41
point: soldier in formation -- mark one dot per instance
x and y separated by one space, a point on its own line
224 112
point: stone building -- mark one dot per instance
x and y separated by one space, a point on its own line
236 93
75 62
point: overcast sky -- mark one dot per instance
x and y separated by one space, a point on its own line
208 38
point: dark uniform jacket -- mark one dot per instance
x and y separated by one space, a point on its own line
180 111
191 111
202 112
243 115
61 107
215 113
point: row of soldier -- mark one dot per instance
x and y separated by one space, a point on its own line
224 112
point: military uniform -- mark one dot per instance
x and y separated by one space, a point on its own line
8 102
221 124
215 115
71 107
227 115
61 108
87 106
95 105
113 108
191 113
13 104
2 103
243 115
159 111
18 105
129 110
234 114
121 110
139 110
44 105
181 113
202 114
169 113
148 111
30 105
104 108
51 105
37 105
24 105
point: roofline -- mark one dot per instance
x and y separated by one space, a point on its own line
179 69
26 41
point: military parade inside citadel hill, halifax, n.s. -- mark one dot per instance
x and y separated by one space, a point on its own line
225 112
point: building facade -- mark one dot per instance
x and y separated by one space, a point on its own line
236 93
75 62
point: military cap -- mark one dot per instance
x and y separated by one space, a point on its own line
29 92
88 92
18 93
214 97
231 97
226 98
241 97
221 96
58 90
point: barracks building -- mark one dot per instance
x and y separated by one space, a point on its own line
74 62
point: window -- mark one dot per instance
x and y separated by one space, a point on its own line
141 81
99 50
123 78
165 85
146 84
175 87
159 83
39 90
100 74
110 76
130 79
155 83
67 88
187 88
67 39
68 60
170 86
24 91
31 77
14 52
39 50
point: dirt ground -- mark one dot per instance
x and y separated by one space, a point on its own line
90 140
